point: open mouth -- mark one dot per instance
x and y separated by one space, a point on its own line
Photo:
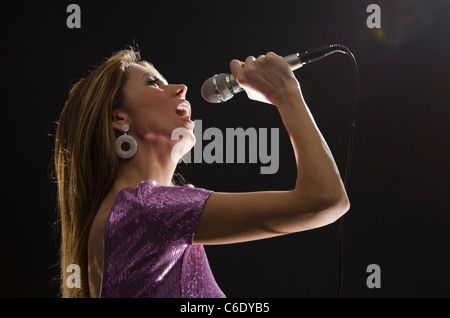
184 109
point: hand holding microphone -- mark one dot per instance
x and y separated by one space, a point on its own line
266 79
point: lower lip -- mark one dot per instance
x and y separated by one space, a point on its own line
187 119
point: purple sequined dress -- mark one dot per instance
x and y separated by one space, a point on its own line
148 244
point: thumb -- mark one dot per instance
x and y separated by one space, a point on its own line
237 69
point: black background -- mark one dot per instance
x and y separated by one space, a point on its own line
398 187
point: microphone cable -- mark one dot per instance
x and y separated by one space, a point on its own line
343 49
312 56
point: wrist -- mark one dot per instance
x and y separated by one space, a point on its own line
288 97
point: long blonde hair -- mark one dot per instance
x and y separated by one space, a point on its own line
85 158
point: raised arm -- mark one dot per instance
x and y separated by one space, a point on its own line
319 196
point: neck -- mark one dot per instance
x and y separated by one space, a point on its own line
147 165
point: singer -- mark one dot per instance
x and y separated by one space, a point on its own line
132 229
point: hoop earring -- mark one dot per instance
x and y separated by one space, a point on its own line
126 139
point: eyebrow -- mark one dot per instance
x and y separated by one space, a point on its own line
148 74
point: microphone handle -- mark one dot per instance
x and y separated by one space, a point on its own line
321 52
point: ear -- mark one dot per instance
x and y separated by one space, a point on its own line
119 118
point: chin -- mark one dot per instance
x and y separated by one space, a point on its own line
189 124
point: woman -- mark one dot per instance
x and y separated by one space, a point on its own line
132 231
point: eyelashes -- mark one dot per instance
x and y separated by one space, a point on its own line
153 82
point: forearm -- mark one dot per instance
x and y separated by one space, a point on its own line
317 172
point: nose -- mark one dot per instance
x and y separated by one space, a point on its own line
180 91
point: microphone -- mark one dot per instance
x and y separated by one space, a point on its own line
222 87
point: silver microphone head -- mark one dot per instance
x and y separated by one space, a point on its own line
219 88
